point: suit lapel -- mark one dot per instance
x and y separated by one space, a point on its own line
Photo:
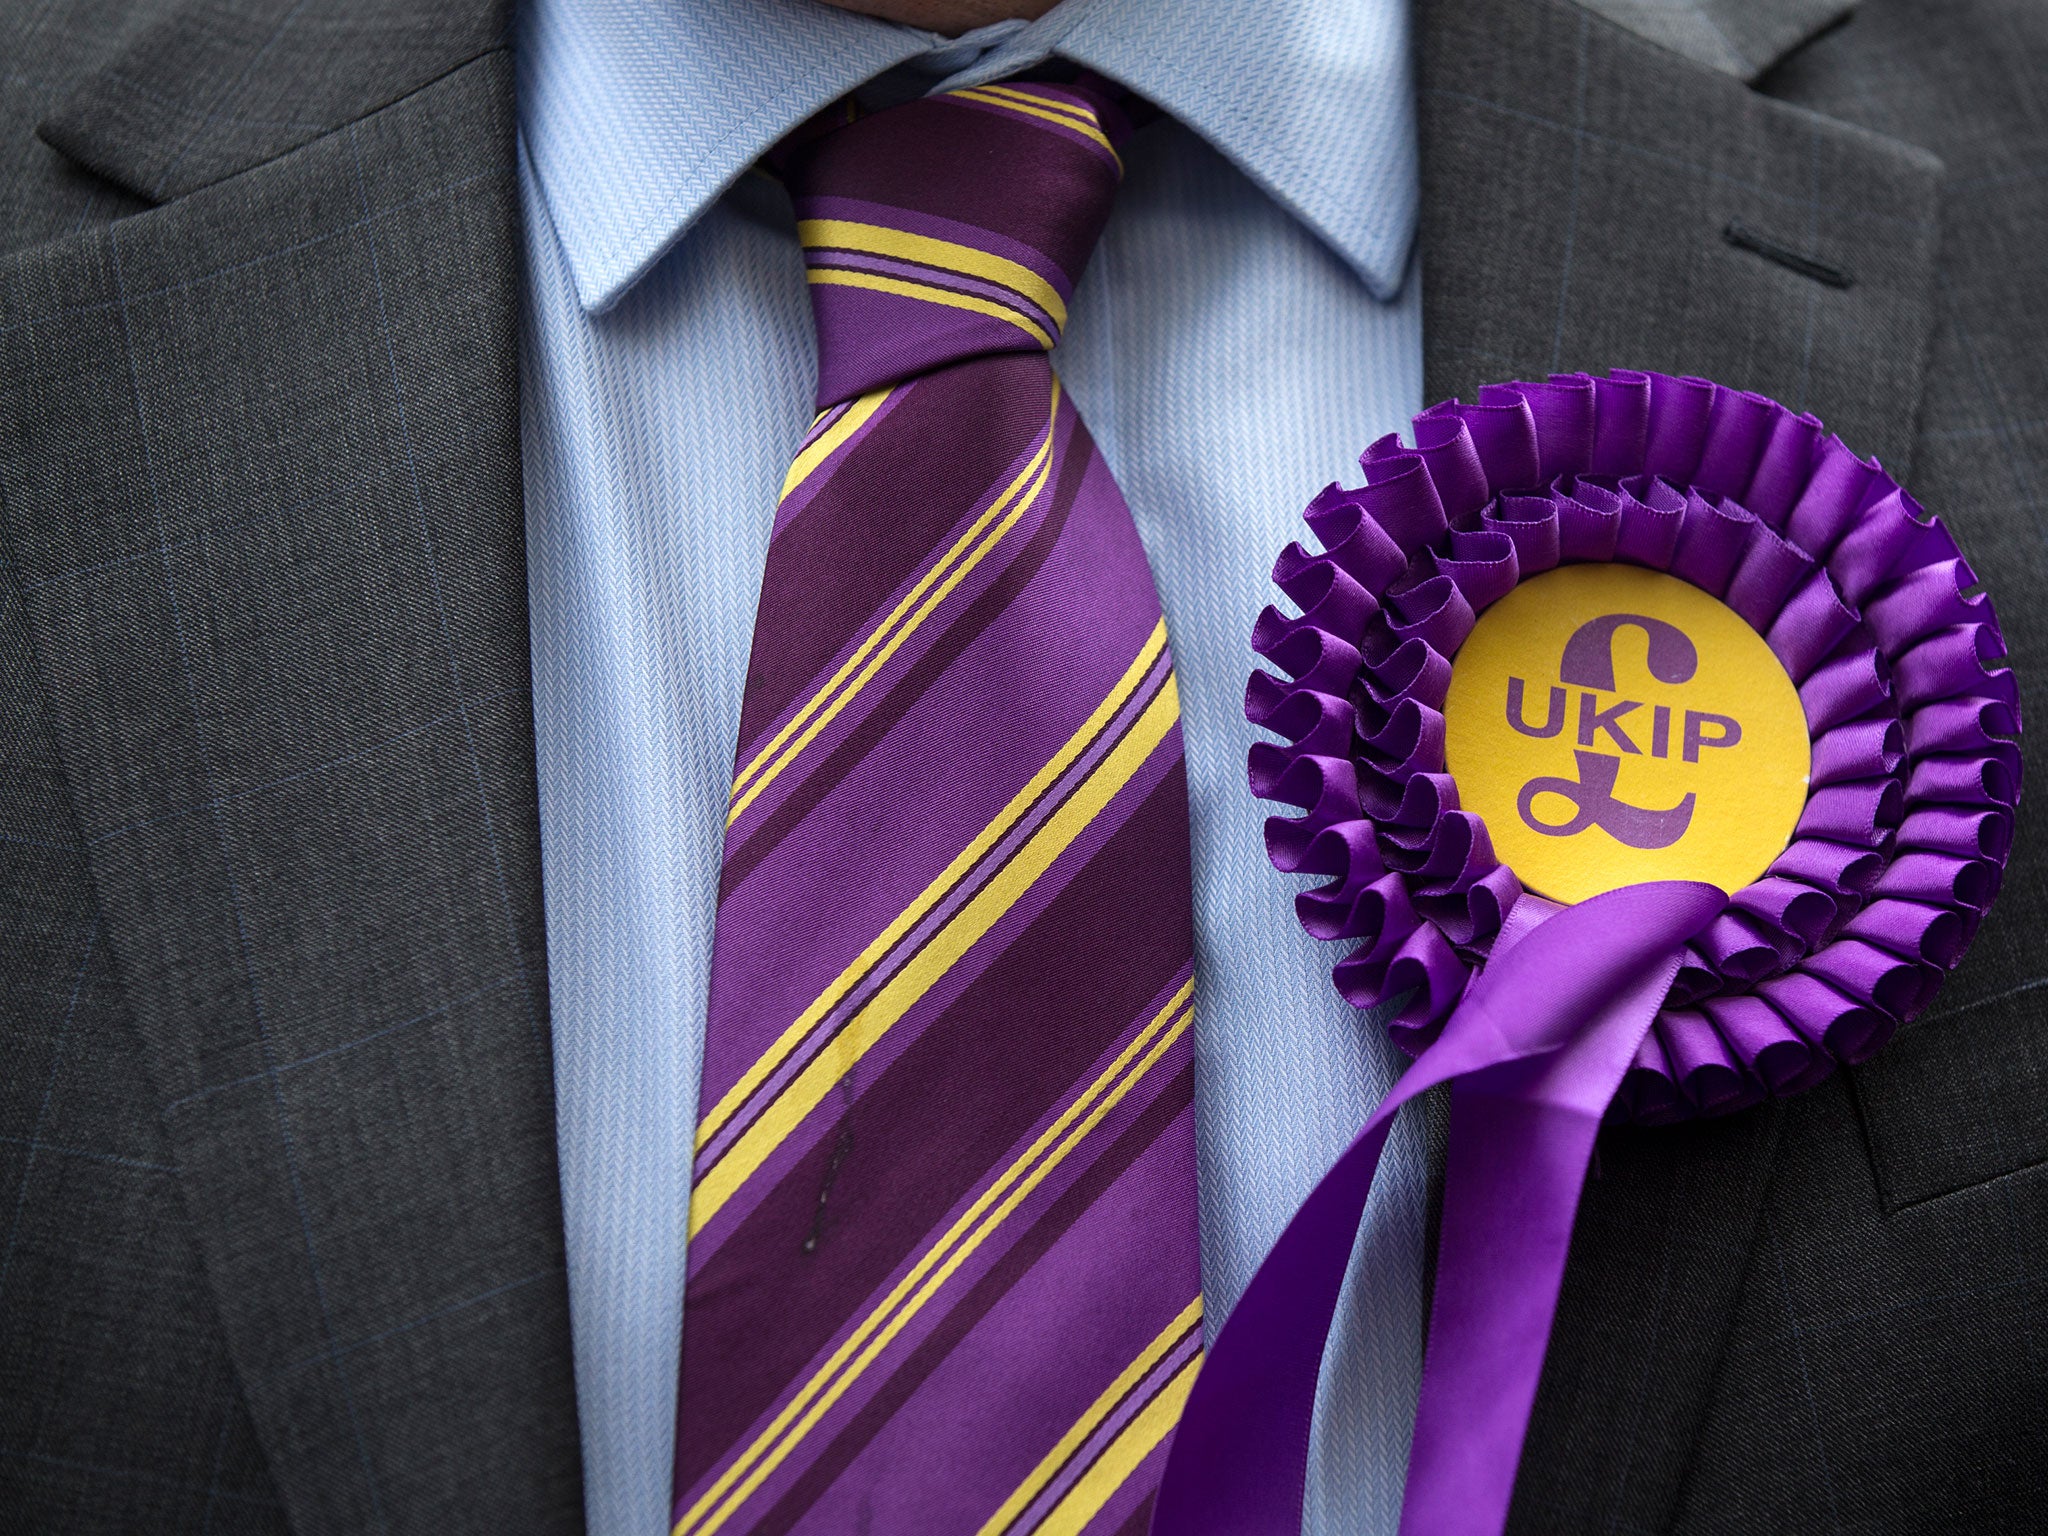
1743 38
264 507
1579 188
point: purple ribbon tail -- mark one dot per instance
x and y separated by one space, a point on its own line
1521 1136
1536 1050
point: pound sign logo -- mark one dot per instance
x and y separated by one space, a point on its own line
1588 662
1668 743
1594 805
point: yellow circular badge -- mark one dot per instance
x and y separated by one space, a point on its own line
1614 725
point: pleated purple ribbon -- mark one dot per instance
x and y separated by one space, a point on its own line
1651 1004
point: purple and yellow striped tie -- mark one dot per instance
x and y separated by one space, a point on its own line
942 1264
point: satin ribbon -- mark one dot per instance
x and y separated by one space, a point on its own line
1866 601
1535 1052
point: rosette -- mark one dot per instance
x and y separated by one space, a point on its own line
1650 1003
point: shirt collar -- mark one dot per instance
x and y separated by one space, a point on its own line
636 116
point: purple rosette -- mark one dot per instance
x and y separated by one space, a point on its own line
1862 596
1650 1003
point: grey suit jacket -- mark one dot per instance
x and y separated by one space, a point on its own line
280 1238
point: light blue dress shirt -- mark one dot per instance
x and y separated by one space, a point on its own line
1249 322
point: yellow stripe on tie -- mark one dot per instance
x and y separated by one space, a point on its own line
887 638
933 588
1073 109
961 932
842 984
1090 1421
967 260
834 277
850 421
1038 108
1123 1456
939 1263
1072 114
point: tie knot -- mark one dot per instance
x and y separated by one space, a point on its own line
951 227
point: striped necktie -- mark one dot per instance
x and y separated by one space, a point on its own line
942 1258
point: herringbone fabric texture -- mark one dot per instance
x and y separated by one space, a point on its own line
943 1256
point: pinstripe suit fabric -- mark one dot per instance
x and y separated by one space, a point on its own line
943 1255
